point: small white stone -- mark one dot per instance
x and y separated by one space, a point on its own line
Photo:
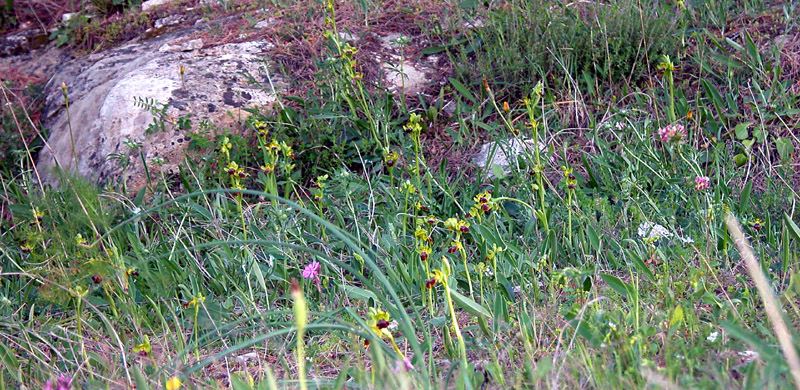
264 23
503 153
407 77
477 23
168 21
347 37
149 4
250 356
194 44
748 356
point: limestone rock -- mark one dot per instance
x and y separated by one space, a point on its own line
402 73
105 92
149 4
407 76
504 154
168 21
264 23
22 42
194 44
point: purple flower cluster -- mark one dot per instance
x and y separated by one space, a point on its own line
312 271
702 183
672 133
64 382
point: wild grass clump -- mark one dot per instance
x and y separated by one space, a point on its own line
609 258
570 45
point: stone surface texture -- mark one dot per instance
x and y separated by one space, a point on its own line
400 72
504 154
150 4
106 118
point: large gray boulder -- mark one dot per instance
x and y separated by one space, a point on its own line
103 90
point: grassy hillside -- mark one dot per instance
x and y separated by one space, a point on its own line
348 240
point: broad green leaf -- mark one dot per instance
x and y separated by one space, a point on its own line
239 384
744 200
640 265
583 329
138 379
618 285
785 148
359 293
8 359
201 210
741 130
462 90
594 240
740 159
543 367
677 316
792 226
469 305
498 171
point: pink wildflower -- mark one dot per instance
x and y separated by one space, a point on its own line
312 271
405 365
672 133
64 382
702 183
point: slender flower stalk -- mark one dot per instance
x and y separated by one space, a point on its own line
538 167
443 277
300 322
668 67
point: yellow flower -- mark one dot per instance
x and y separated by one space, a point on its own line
173 383
225 147
421 235
197 300
274 146
261 127
492 253
414 124
232 168
483 204
666 64
424 252
142 349
451 224
390 157
286 149
408 188
378 322
37 217
81 291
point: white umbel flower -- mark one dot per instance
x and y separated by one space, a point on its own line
654 231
